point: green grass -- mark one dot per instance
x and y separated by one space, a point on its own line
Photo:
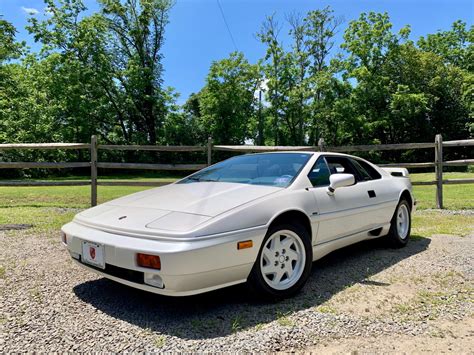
455 197
427 223
60 196
284 320
44 220
160 341
73 196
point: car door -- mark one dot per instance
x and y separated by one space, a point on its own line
345 212
383 195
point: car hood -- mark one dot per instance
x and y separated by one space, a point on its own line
174 208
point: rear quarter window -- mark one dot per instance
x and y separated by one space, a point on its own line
366 170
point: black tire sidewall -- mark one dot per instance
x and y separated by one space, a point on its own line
395 238
256 277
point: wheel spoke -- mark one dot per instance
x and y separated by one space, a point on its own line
277 242
287 243
268 255
293 255
278 275
268 269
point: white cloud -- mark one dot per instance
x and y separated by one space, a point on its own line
30 10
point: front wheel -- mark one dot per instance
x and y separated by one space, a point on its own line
401 225
284 262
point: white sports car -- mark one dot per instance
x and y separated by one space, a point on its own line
262 218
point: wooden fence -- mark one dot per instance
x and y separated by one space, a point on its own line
438 145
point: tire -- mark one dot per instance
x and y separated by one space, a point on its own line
286 253
400 226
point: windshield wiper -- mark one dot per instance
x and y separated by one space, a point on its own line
198 179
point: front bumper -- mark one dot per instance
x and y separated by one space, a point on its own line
187 267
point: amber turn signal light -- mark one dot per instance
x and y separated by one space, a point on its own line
149 261
245 244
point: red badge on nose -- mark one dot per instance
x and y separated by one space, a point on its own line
92 252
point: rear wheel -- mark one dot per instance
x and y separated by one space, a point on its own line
401 225
284 262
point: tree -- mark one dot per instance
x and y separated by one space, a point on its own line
269 35
402 94
9 47
137 29
297 79
227 102
320 28
182 124
369 41
117 51
454 46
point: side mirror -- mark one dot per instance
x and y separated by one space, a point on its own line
339 180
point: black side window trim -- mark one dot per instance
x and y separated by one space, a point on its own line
359 177
368 172
322 157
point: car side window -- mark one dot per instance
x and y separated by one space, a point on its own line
366 172
374 174
338 165
363 174
319 174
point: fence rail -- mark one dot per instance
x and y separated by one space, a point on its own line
94 164
157 148
169 167
44 146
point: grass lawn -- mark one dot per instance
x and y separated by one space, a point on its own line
47 208
456 197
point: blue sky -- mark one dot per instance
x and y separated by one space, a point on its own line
197 34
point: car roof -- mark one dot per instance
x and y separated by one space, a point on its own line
302 152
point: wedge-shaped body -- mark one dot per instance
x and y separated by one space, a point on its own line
260 217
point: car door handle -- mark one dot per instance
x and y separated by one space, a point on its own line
371 193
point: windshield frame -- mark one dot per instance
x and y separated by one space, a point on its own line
298 173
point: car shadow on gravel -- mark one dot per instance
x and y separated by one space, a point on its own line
225 311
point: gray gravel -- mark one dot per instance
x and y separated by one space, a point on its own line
451 212
50 304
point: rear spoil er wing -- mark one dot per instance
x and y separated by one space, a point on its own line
399 172
402 172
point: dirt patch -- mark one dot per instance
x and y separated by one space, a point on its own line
15 227
446 337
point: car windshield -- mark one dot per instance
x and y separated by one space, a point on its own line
277 169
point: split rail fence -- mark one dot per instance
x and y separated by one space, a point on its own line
94 164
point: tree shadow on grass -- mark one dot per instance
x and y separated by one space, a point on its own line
221 312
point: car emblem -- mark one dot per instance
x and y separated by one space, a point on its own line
92 252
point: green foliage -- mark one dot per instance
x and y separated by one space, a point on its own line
101 73
9 48
454 46
108 67
227 102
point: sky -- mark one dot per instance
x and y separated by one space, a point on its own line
197 33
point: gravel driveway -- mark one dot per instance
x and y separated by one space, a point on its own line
362 295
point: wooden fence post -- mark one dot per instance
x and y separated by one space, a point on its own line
94 171
439 170
209 151
321 145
